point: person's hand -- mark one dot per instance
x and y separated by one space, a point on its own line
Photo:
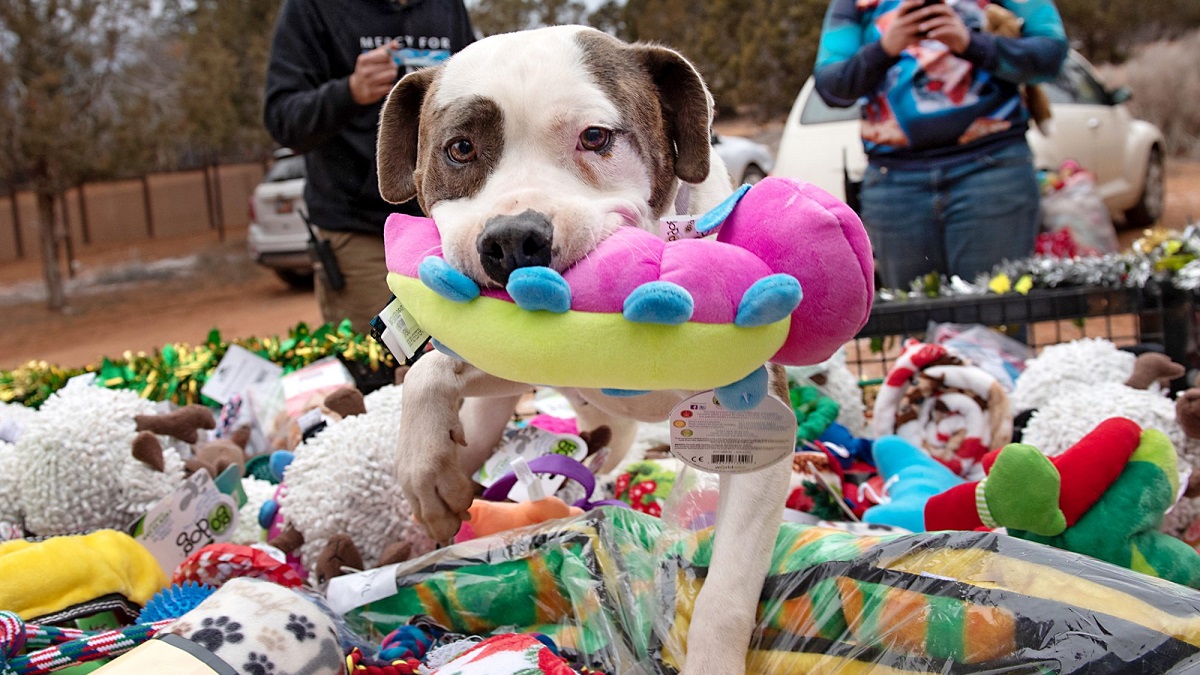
940 22
374 74
904 28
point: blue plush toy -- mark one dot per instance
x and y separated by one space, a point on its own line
912 478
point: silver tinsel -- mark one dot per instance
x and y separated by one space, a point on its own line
1175 260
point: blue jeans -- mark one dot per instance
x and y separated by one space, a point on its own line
961 219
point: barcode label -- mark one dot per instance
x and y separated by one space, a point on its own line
733 459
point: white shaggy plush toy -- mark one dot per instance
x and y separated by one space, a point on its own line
76 466
248 531
342 506
1069 367
833 378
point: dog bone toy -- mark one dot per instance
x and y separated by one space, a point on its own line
640 314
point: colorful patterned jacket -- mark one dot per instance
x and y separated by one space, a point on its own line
929 107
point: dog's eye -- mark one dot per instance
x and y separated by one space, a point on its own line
461 151
595 139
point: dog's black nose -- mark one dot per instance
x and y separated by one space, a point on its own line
511 242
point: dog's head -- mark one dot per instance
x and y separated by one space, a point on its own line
530 148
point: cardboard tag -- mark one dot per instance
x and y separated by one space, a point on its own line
239 370
708 437
352 591
313 381
529 443
194 516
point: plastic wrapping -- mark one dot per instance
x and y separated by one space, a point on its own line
1076 205
614 589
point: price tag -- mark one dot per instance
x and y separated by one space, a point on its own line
194 516
529 443
706 436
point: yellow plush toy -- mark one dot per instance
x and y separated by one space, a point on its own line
67 577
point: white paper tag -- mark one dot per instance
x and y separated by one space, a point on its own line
352 591
527 480
674 228
529 443
708 437
194 516
403 331
239 370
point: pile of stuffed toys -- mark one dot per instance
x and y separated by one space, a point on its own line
1087 458
982 516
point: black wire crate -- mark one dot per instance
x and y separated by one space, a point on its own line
1127 316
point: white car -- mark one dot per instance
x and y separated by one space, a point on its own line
821 144
748 161
278 238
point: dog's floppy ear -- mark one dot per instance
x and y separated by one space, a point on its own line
686 108
396 153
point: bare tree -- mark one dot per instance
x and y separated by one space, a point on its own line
64 55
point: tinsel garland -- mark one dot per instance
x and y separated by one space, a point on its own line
1161 255
177 371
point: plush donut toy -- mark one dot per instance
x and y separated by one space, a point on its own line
788 278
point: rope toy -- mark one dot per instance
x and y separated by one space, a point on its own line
814 412
64 647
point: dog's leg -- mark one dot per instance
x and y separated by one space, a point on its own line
749 512
432 434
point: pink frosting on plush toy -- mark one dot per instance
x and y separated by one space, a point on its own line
779 226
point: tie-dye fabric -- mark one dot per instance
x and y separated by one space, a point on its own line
929 104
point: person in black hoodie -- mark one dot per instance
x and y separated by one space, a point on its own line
332 63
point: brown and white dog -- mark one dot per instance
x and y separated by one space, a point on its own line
529 149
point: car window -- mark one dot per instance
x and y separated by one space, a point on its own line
287 168
1075 84
816 111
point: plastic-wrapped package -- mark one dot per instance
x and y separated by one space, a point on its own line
1074 203
614 589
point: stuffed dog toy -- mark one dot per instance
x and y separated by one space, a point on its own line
529 150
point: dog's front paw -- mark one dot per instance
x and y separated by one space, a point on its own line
439 499
438 491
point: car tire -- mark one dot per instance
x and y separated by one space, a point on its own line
297 279
1150 205
753 174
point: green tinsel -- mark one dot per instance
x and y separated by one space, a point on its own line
177 371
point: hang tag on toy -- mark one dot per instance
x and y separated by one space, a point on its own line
194 516
528 443
396 328
351 591
239 371
709 437
674 228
